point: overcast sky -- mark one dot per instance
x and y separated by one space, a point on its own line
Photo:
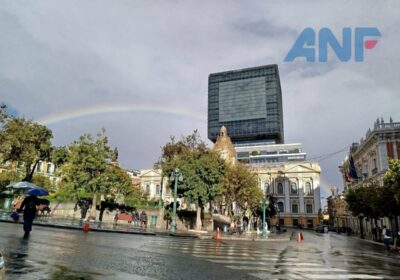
140 69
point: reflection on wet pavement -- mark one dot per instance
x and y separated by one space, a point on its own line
62 254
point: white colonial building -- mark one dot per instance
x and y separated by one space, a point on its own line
295 188
152 182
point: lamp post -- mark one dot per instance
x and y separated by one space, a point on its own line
175 175
279 214
264 203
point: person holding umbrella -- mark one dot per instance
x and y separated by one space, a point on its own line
29 207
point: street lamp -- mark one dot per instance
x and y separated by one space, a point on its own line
175 176
264 203
279 215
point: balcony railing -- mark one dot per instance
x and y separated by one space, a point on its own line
387 125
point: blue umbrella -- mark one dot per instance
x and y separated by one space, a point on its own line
37 192
22 185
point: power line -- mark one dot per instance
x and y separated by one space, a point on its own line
326 156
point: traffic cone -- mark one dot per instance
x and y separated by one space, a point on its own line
86 227
217 234
299 237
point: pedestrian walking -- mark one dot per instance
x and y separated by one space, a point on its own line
143 219
232 227
398 242
387 236
278 228
375 234
28 205
244 225
84 205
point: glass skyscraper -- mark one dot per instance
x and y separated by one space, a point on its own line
248 102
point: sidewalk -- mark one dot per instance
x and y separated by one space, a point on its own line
125 228
77 224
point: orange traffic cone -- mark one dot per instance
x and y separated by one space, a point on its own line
217 234
86 227
299 237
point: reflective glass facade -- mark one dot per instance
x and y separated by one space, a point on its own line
248 102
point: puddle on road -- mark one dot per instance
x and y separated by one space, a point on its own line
65 273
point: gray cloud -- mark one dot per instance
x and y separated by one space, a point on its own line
264 28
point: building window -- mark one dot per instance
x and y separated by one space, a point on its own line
48 168
280 188
281 208
309 209
310 224
148 188
39 167
307 188
293 188
295 208
295 222
365 171
374 167
267 188
157 189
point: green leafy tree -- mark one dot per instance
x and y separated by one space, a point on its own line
356 204
8 177
240 185
201 168
43 181
87 170
3 113
391 190
59 155
392 178
25 142
136 197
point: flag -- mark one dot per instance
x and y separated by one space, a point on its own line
347 177
352 169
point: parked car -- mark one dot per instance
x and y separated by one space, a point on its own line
2 268
322 229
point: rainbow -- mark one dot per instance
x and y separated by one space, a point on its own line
325 185
120 108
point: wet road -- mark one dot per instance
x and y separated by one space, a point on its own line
63 254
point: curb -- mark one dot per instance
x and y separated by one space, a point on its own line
94 229
80 229
155 233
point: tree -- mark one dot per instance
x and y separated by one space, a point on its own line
371 201
392 178
88 172
356 204
25 142
391 193
7 178
201 168
137 197
59 155
42 181
3 113
240 185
